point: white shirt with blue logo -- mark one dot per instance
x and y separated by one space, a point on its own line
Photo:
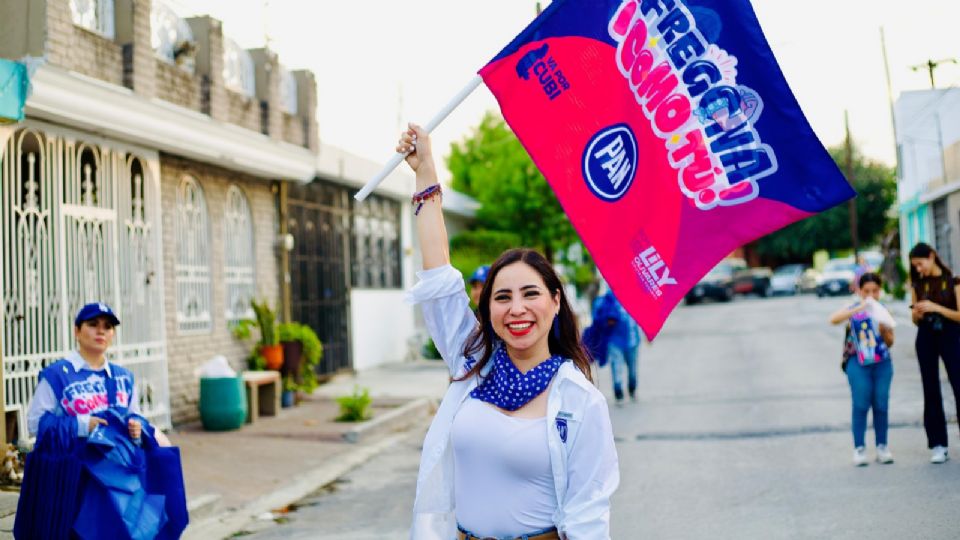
583 456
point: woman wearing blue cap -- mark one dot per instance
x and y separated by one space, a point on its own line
521 445
76 386
98 469
476 283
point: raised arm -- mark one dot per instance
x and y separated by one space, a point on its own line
431 229
841 315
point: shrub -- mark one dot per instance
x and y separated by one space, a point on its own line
430 351
312 352
353 407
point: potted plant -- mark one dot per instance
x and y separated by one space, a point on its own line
289 395
291 339
302 369
268 352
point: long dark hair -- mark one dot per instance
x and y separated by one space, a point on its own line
483 337
921 251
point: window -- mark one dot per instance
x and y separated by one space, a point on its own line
375 249
239 261
238 68
193 259
94 15
288 91
171 37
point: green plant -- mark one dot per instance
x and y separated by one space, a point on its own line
312 352
266 322
290 384
353 407
430 351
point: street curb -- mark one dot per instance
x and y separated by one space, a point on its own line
399 419
231 522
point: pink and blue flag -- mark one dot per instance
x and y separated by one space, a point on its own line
668 133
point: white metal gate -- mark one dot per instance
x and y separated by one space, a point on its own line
80 221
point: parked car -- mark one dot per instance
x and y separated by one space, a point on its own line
717 284
786 279
809 280
837 276
752 281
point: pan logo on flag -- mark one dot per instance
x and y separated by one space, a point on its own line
610 162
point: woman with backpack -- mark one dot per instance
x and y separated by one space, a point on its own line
934 292
867 363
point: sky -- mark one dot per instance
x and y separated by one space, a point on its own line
381 63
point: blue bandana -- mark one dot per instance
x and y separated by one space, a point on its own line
509 389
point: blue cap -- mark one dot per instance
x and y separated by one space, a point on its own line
480 274
94 310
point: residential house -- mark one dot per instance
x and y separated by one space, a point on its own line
169 172
928 188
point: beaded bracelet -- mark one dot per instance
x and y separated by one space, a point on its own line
419 198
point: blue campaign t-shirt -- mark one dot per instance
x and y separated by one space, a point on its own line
85 391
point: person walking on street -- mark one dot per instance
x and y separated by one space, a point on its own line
934 291
623 345
521 445
868 365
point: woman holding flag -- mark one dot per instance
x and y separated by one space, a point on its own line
521 446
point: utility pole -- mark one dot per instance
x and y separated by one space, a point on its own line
893 116
852 203
931 66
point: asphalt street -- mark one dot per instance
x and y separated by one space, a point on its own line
741 431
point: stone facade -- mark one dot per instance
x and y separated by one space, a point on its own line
293 130
133 33
177 85
46 28
243 111
185 353
79 49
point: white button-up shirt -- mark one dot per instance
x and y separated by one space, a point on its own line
583 456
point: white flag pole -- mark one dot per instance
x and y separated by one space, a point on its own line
431 125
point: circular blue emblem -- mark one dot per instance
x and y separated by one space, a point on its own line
610 162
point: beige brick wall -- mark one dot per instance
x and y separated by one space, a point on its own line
136 13
185 353
177 85
78 49
307 106
243 111
293 130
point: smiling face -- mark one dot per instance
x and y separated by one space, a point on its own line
94 336
522 311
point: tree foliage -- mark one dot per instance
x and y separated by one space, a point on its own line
492 167
470 249
876 189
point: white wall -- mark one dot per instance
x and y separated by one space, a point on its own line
928 121
381 323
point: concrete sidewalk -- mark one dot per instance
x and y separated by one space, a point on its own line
237 476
